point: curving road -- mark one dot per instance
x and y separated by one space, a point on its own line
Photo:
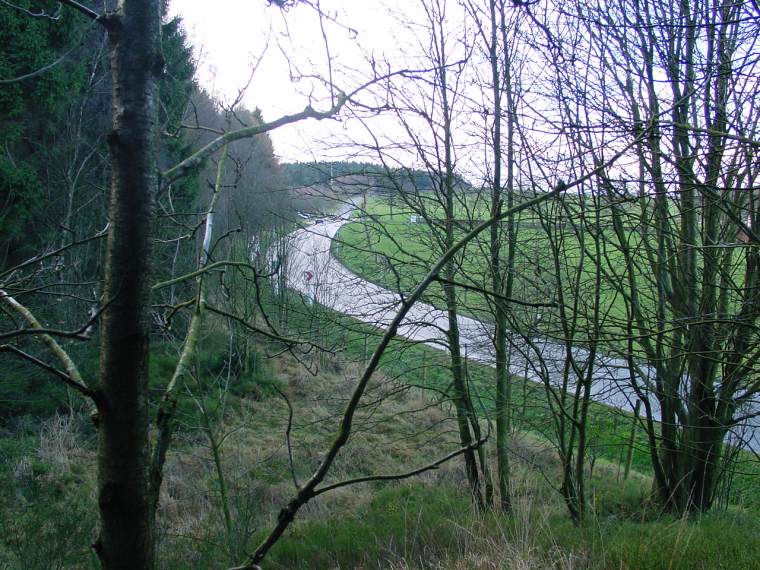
318 275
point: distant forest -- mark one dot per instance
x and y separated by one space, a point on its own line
305 174
54 167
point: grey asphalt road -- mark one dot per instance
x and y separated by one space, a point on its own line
314 272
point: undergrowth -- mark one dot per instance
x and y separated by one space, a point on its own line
48 503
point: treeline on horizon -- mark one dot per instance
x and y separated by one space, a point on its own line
306 174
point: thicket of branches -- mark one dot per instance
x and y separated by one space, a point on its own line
620 136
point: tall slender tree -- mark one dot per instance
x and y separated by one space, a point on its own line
678 79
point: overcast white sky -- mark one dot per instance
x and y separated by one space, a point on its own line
231 35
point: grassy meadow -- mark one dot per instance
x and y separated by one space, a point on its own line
426 522
48 463
386 237
385 247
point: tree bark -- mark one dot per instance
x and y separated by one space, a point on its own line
126 538
502 278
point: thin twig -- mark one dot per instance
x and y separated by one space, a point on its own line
55 252
45 366
266 333
104 19
78 334
490 293
41 14
287 436
399 476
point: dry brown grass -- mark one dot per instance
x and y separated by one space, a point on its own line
398 429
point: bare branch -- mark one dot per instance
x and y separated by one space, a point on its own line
399 476
41 14
194 160
55 252
105 19
39 330
84 390
490 293
266 333
287 435
72 372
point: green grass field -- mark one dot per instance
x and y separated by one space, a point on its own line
48 504
424 523
385 247
371 245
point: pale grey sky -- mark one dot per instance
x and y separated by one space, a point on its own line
231 35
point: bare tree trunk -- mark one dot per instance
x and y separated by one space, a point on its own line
465 411
502 279
443 172
461 397
127 535
695 172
